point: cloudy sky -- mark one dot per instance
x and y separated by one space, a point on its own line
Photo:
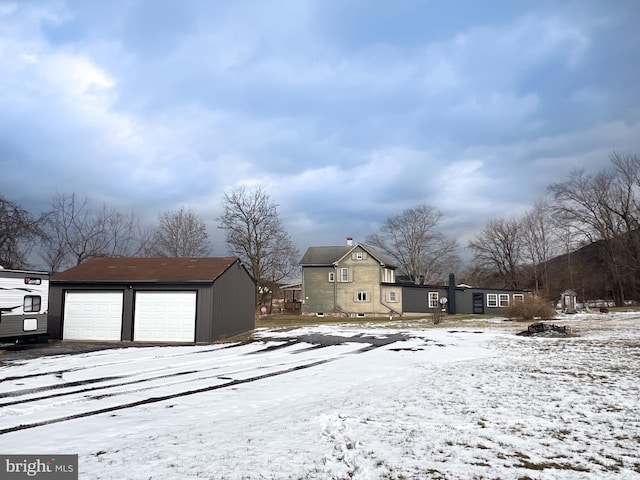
346 112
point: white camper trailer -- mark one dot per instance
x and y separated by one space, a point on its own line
24 300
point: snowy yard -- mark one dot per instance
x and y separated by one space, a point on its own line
474 402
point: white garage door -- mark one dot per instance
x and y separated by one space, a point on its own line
165 317
92 316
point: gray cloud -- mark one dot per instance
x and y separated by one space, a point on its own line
345 112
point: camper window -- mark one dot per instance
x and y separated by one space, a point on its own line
31 303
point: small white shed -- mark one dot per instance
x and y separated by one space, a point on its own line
568 300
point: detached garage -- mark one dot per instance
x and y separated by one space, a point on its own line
181 300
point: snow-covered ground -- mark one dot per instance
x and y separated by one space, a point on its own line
342 402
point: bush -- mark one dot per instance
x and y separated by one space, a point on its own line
529 308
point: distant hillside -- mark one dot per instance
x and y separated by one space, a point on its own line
589 274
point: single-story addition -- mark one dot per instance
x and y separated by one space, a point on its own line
152 300
462 299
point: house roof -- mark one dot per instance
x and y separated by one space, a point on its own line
326 256
123 269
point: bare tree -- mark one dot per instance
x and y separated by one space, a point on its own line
254 233
19 231
603 208
75 232
181 233
539 243
498 248
412 240
625 205
569 240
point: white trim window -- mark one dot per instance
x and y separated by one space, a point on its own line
492 300
359 256
362 296
344 274
518 297
332 277
393 297
503 300
388 276
433 299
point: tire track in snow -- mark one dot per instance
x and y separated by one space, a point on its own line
222 375
84 390
28 391
163 398
219 375
111 351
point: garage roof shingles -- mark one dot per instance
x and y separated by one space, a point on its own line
165 270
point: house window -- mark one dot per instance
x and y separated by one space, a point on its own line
362 297
359 256
332 276
31 303
392 297
433 299
388 276
504 300
518 297
344 274
492 300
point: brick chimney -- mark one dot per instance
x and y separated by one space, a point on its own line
349 242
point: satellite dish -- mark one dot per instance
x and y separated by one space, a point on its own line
443 300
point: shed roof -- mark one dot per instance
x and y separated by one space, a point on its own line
126 269
569 292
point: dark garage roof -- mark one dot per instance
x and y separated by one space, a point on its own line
120 269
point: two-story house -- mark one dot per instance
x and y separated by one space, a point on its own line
354 280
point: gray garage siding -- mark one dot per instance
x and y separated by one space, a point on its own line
227 303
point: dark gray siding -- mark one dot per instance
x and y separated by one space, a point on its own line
54 324
228 308
464 300
415 298
234 302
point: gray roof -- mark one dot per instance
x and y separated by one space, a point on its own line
326 256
